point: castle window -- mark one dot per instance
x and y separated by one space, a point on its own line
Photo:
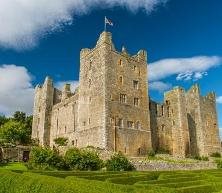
89 120
76 142
129 124
120 62
162 127
120 123
168 111
162 110
39 109
136 84
167 102
90 64
65 129
90 82
121 80
111 120
90 99
134 68
173 122
84 123
73 142
123 98
138 126
136 102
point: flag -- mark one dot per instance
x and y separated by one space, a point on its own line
107 21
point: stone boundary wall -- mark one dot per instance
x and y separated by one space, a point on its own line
166 166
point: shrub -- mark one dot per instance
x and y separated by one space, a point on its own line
151 153
118 162
219 163
163 151
61 141
83 159
201 158
215 154
45 158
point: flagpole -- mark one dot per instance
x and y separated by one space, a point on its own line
105 23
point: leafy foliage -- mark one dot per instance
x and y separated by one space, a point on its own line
3 120
151 153
83 159
16 130
45 158
215 154
118 162
201 158
61 141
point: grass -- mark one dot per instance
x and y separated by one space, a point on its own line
14 178
14 166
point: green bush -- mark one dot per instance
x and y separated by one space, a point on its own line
151 153
45 158
219 163
118 162
61 141
216 154
201 158
83 159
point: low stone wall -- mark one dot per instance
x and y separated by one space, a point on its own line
166 166
14 153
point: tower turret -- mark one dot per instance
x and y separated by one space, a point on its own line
42 112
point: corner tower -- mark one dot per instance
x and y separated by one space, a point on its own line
43 103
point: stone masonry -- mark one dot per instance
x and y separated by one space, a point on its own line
111 109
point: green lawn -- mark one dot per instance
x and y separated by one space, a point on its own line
15 178
14 166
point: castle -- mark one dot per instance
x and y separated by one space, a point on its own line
111 109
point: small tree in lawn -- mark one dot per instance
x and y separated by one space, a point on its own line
61 141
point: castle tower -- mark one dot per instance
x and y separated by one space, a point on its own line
113 99
193 99
43 103
176 112
209 124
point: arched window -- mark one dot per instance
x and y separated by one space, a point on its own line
120 62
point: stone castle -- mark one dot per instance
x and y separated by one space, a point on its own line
111 109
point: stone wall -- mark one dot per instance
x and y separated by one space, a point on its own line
164 166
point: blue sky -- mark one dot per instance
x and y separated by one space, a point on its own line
183 40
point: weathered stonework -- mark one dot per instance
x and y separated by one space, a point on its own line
111 109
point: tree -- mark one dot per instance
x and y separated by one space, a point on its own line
61 141
19 116
3 120
15 132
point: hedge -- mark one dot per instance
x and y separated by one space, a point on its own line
11 182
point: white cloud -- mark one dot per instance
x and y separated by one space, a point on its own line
24 22
16 90
159 86
219 99
185 68
74 84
